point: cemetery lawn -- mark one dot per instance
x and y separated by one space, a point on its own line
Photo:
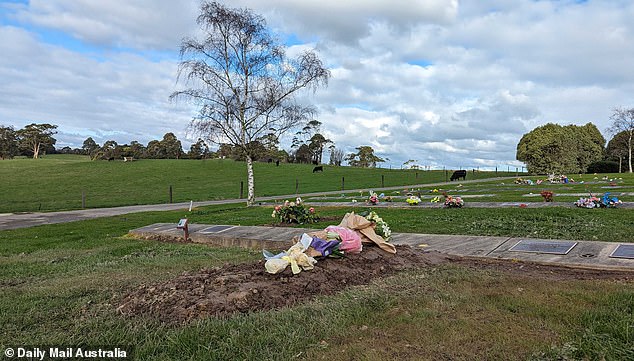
621 186
61 285
56 182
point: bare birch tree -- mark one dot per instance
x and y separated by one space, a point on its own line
623 121
243 82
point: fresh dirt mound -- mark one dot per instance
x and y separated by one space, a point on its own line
247 287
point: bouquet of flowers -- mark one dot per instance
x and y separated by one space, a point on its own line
453 202
295 212
595 202
381 228
548 196
592 202
412 200
435 200
374 199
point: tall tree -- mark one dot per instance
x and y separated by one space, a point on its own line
110 149
36 137
89 147
623 121
172 147
8 142
364 157
336 155
198 150
316 146
617 148
137 150
242 80
552 148
155 150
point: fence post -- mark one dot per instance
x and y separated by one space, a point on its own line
382 181
170 194
343 182
241 189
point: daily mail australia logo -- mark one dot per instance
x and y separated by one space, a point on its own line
69 352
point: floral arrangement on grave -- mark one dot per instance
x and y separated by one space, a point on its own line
374 198
453 202
547 195
388 199
435 199
380 226
412 200
295 212
595 202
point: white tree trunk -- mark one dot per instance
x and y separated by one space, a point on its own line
630 157
36 150
250 182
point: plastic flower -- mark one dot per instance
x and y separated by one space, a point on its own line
311 210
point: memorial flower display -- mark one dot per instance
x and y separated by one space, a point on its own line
374 199
453 202
295 212
381 228
595 202
548 196
412 200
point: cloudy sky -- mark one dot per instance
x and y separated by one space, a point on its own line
444 82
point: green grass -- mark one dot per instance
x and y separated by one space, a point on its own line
60 285
57 182
507 191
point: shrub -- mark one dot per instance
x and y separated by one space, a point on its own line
604 166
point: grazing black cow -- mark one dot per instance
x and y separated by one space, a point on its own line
110 159
318 168
458 174
277 163
315 162
270 160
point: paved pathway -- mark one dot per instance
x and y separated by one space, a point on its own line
24 220
583 254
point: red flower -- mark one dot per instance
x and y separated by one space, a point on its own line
311 210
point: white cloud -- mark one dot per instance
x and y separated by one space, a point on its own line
445 82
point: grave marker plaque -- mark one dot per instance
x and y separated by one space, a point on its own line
215 229
551 247
623 251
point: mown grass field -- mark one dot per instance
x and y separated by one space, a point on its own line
619 185
60 285
57 182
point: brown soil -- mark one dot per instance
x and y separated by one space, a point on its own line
247 287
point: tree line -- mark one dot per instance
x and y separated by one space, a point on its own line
557 149
308 146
